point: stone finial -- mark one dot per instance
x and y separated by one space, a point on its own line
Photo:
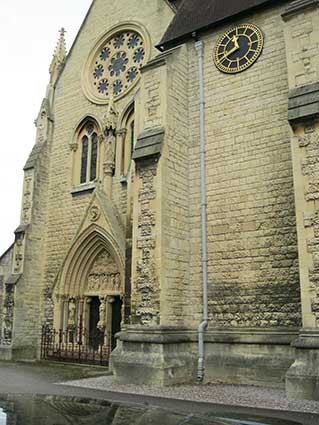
59 57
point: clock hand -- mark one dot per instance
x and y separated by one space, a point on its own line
234 49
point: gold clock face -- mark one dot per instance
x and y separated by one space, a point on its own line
238 48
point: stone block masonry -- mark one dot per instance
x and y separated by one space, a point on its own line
252 241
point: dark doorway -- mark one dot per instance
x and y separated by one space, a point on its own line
116 319
94 333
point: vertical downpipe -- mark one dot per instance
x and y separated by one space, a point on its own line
199 46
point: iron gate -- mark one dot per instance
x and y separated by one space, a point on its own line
75 346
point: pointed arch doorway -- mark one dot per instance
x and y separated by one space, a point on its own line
88 302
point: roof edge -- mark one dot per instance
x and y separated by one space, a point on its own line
6 251
183 38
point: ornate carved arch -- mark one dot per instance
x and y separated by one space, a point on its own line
85 251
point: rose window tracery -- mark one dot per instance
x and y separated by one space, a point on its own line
115 64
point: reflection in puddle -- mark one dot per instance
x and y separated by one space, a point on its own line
3 417
57 410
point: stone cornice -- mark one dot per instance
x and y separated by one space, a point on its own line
303 103
159 60
149 144
172 334
297 7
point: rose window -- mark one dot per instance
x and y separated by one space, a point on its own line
118 64
115 66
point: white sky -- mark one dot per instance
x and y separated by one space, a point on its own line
28 36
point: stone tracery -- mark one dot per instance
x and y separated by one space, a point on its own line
117 62
114 66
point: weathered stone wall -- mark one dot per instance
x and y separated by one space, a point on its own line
301 22
252 243
31 286
65 211
176 291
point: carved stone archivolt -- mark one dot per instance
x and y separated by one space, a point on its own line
92 271
147 291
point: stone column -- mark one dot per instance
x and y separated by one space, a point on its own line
301 22
120 151
58 313
86 319
108 328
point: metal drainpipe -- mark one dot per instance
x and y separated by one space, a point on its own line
199 45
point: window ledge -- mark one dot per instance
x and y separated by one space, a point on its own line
83 188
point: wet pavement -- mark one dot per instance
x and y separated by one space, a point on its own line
52 410
52 379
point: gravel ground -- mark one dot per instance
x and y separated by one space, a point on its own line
233 395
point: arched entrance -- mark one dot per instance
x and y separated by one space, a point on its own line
87 301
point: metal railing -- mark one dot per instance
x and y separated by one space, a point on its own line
75 346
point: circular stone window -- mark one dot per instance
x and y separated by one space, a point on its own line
113 68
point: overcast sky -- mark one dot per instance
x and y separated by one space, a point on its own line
28 36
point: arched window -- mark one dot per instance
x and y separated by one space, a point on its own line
88 141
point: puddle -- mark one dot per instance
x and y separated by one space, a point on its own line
3 417
57 410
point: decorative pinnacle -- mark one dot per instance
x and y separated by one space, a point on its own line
59 55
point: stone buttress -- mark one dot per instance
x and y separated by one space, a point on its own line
301 22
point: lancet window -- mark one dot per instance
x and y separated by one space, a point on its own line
88 142
129 141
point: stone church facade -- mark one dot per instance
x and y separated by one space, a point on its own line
116 202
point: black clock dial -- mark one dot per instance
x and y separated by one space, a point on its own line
238 48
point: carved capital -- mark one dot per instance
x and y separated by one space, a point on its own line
122 133
108 168
110 299
73 146
101 138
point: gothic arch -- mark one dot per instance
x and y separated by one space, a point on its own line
129 108
86 166
73 279
82 120
127 131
